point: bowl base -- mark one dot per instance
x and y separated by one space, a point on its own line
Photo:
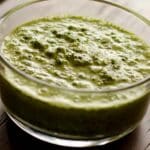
67 142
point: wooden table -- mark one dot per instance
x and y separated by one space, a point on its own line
12 138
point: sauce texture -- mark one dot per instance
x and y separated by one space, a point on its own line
78 53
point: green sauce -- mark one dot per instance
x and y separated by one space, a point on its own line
76 53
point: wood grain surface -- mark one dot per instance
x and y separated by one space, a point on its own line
12 138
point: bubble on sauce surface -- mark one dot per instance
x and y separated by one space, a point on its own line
42 91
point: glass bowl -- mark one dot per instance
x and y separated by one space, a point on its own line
56 120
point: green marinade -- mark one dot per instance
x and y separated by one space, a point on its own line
76 53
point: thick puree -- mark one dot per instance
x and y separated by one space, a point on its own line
76 53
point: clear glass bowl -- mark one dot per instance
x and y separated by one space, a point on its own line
58 122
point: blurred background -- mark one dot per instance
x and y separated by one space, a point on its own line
141 6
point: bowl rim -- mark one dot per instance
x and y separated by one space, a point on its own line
28 77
